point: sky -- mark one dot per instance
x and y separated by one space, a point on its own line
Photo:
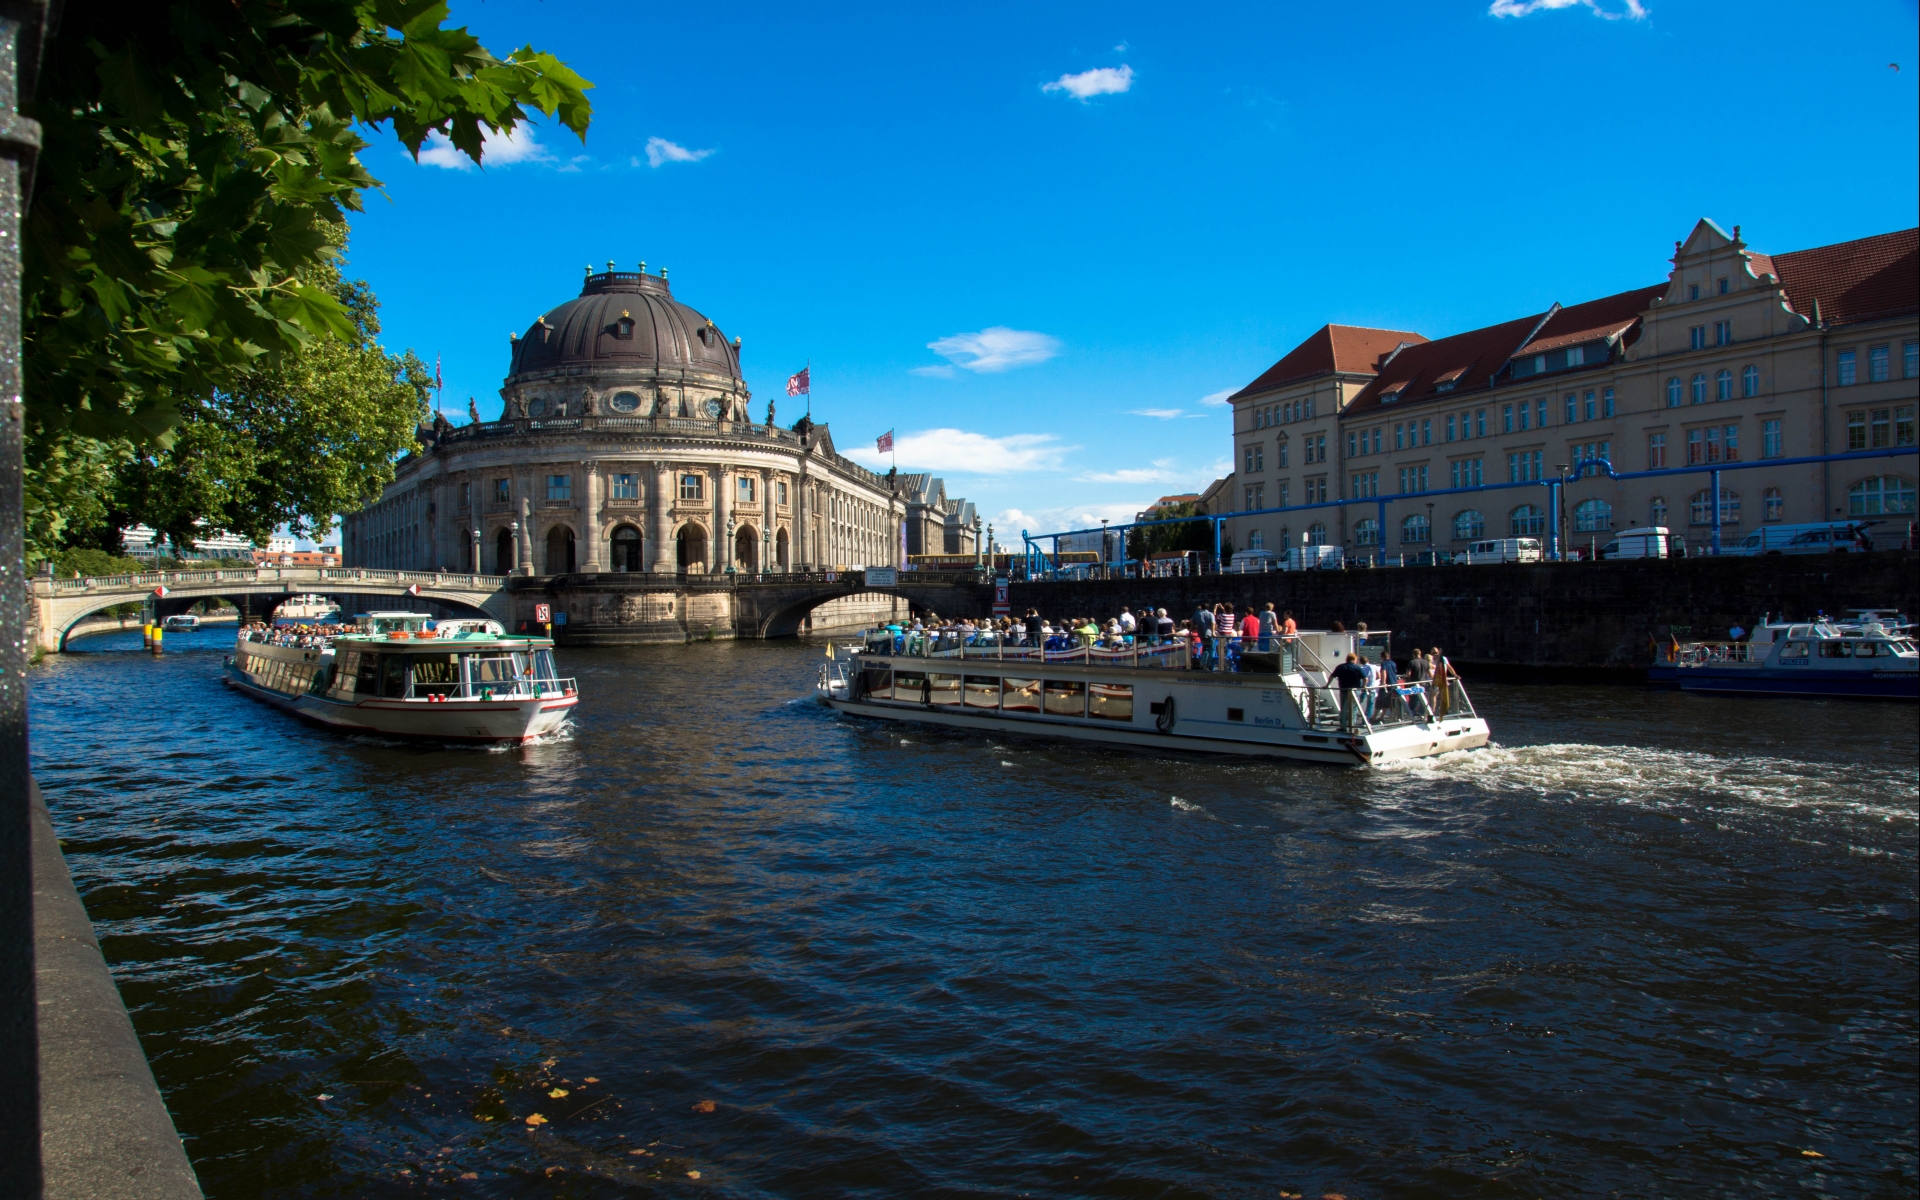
1043 242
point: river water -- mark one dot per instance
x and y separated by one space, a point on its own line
1647 945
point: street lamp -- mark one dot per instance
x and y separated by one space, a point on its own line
476 553
1433 539
513 528
730 521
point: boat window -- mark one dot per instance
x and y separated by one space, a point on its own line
1794 650
1866 649
878 683
1019 695
394 676
543 665
909 687
1110 701
1066 698
366 680
436 674
501 668
1836 649
943 689
982 691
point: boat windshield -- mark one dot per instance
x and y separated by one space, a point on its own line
483 669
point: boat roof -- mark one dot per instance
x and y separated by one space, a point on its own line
461 641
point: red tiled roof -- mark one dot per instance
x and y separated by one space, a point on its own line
1353 349
1854 281
1762 264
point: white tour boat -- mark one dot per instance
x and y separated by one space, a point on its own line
404 675
1869 655
308 610
181 623
1280 703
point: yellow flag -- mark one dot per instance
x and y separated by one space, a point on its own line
829 651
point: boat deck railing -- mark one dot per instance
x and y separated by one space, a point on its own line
1385 706
502 689
1170 655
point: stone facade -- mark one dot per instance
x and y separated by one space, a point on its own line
626 447
1737 356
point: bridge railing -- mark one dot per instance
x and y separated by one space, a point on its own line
148 580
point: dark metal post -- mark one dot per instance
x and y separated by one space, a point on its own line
22 23
1714 477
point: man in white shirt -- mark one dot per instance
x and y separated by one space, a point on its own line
1127 625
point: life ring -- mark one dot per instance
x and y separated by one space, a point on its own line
1163 720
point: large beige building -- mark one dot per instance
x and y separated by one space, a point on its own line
626 445
1736 357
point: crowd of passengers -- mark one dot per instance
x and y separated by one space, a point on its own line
306 637
1216 639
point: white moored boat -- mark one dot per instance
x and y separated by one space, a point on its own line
400 678
1281 703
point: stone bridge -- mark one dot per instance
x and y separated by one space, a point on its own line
60 604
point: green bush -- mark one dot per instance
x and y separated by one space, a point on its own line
85 561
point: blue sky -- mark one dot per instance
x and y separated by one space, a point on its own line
1037 240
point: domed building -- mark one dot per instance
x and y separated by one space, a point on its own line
627 447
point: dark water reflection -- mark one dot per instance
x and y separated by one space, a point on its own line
1649 945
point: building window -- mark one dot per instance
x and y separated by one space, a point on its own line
1656 451
1693 293
1770 439
1674 390
1256 459
1469 525
466 495
1775 505
1588 405
1366 532
1887 495
1316 534
1750 381
1703 446
1700 508
1257 540
1319 448
1280 450
1452 424
693 487
1467 472
1657 511
1506 419
1592 516
1845 373
1416 531
1699 389
1697 335
1527 521
1480 423
1413 479
559 487
1723 385
1723 333
502 491
626 487
1903 425
1366 485
1721 283
1283 500
780 492
1602 451
749 489
1256 496
1856 431
1399 439
1877 364
1730 438
1352 452
1573 407
1910 359
1880 428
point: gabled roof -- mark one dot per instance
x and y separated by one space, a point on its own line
1350 349
1854 281
1593 320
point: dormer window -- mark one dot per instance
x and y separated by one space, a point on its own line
623 328
1389 397
1445 385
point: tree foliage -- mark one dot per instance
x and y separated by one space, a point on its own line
200 162
1162 539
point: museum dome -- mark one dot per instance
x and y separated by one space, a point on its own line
625 319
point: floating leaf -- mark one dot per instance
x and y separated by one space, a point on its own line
1811 1154
693 1174
469 1175
705 1106
592 1079
323 1096
556 1093
536 1119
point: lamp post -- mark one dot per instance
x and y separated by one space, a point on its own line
513 530
730 521
1432 539
476 553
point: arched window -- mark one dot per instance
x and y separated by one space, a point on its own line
1366 532
1469 525
1699 389
1527 521
1286 534
1592 516
746 549
560 551
1657 511
1723 385
1750 381
1280 448
626 549
1257 540
1416 530
1673 392
503 553
1775 504
780 549
1880 496
1316 534
690 548
1700 507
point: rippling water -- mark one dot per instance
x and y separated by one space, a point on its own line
1647 945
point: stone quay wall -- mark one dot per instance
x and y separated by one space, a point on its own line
1594 617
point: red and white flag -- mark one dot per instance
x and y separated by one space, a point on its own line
800 384
414 590
886 442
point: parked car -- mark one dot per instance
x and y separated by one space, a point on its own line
1499 550
1649 541
1826 537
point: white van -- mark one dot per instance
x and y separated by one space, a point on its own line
1311 558
1253 562
1651 541
1499 550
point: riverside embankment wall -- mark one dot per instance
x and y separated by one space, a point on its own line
1590 616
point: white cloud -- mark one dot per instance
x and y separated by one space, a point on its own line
1630 10
496 149
964 452
1154 474
1101 81
660 150
1008 522
1218 399
1164 414
990 350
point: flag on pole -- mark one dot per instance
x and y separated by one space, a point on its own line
886 442
800 384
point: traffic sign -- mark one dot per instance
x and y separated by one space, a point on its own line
543 614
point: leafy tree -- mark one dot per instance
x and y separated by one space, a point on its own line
1163 539
200 162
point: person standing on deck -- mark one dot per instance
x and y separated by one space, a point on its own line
1288 629
1417 676
1203 629
1442 678
1253 633
1269 625
1348 675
